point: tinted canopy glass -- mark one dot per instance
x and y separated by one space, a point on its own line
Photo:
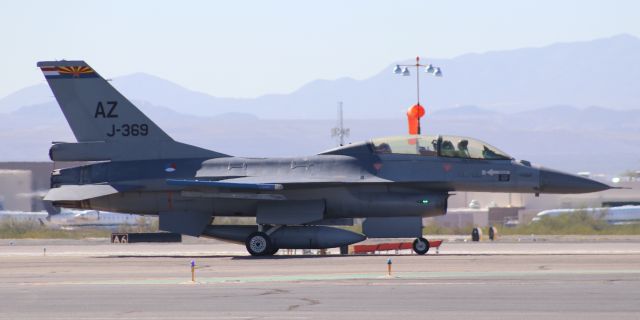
444 146
414 144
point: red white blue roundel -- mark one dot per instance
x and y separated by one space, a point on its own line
170 167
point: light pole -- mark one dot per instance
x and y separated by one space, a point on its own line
417 111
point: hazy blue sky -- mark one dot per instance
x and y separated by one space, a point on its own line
249 48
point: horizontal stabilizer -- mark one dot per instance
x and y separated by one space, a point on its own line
223 184
79 192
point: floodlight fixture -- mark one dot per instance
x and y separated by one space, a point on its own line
429 69
403 69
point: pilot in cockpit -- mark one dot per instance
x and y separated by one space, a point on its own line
463 149
383 148
447 149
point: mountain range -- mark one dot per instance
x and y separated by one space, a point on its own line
602 72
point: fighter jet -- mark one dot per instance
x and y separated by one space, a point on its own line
392 182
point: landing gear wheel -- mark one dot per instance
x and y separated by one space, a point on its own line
421 246
259 244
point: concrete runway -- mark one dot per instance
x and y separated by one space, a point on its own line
94 280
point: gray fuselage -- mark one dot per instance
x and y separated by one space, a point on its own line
353 181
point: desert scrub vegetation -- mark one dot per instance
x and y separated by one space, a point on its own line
143 224
576 223
29 229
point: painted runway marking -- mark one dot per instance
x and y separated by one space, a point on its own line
350 276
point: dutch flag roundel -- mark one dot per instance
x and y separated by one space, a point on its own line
170 167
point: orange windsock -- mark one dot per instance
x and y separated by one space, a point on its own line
413 115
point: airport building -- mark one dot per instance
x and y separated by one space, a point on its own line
16 190
23 184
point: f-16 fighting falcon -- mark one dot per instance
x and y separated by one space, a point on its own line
135 167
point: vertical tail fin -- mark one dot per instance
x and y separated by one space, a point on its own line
105 123
95 110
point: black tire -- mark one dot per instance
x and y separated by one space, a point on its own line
259 244
421 246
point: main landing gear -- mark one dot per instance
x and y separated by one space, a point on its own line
421 246
259 244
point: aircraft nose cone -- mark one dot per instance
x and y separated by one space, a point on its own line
558 182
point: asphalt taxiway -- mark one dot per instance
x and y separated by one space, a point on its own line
502 280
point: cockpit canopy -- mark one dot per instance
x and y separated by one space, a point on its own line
442 146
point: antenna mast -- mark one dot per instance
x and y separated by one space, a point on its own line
340 131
